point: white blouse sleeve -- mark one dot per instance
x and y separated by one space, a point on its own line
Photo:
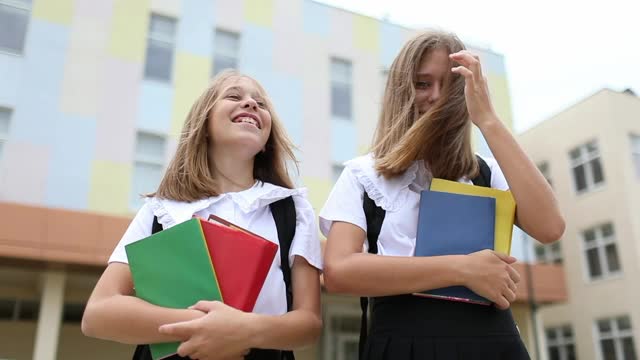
498 181
305 242
344 203
139 228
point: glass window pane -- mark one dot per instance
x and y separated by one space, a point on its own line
6 309
226 43
336 171
224 62
575 154
636 164
554 353
146 178
5 116
596 167
593 261
159 61
28 310
162 28
589 236
150 146
624 323
592 148
13 28
551 334
635 144
607 230
72 313
340 71
629 349
612 257
567 332
555 247
341 101
571 352
604 326
579 177
540 253
608 350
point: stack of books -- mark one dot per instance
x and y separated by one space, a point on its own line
456 219
199 260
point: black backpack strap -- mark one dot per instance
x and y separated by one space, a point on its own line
284 215
374 215
484 177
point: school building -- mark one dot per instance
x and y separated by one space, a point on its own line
93 94
593 163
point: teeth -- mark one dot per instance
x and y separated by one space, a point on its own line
247 120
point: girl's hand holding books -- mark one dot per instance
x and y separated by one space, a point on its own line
490 274
223 333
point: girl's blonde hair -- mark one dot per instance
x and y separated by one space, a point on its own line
441 136
188 176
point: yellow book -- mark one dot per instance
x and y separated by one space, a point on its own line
505 208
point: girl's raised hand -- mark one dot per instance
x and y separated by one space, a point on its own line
476 90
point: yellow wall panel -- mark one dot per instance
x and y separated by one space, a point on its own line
259 12
499 89
110 187
57 11
191 79
129 27
366 33
319 190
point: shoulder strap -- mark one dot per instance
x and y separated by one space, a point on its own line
374 215
284 215
484 177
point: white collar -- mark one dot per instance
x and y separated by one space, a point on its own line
171 212
390 194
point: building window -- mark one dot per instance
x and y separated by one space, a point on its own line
560 343
549 253
341 87
342 336
160 45
545 171
72 313
336 171
615 337
148 166
601 253
226 50
19 310
635 153
586 167
14 19
5 119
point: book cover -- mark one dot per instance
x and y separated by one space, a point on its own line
454 224
242 260
505 208
172 268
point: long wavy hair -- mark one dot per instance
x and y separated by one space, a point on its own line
188 176
442 135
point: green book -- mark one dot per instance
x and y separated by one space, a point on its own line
172 268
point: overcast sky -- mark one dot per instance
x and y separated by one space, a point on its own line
556 52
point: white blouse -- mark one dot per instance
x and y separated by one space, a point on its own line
399 197
248 209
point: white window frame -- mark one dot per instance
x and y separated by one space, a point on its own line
147 160
600 242
635 153
561 342
616 335
585 159
220 51
332 312
341 82
165 41
25 5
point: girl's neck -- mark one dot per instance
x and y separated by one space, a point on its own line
232 174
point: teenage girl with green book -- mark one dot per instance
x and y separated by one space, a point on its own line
231 161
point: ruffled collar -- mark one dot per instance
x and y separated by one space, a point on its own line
390 194
171 212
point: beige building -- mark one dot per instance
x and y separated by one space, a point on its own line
590 153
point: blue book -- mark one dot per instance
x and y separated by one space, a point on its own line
454 224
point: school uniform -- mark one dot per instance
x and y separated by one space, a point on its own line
248 209
406 326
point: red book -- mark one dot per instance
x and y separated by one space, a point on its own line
242 261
